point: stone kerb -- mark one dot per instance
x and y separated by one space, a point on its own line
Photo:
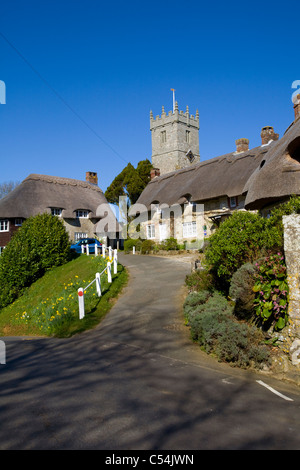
291 224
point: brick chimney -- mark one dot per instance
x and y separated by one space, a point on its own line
154 172
242 145
297 107
91 177
267 134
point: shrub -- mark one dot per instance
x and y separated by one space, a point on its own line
271 289
241 290
241 238
193 300
199 280
147 246
40 244
130 243
169 244
214 327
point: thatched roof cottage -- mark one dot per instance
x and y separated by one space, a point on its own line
76 202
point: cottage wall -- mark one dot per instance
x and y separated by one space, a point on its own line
80 225
208 217
5 237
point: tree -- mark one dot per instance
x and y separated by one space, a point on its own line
130 182
7 187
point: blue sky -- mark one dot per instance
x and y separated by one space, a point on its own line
82 76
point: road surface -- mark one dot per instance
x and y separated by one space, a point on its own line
137 382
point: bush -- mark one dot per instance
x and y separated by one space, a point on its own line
169 244
216 330
271 289
199 280
147 246
40 244
130 243
241 238
241 291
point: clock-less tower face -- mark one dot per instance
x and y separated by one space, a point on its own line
175 140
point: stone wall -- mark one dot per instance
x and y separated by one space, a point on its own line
291 225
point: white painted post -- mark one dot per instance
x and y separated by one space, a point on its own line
110 253
115 263
103 251
98 284
109 272
133 250
96 249
82 249
87 250
81 302
2 353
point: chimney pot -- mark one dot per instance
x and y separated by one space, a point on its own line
154 172
267 134
242 145
91 177
297 107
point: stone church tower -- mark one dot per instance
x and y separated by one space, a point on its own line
175 140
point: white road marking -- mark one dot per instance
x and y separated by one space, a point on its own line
274 391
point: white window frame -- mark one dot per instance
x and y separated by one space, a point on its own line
82 214
189 229
4 225
150 231
79 235
57 211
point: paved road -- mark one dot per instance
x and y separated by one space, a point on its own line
137 382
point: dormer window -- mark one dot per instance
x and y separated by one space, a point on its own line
294 149
56 211
82 214
232 202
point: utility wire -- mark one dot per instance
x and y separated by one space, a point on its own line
60 97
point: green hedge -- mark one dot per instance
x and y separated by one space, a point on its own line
40 244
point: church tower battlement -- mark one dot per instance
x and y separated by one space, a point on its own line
175 139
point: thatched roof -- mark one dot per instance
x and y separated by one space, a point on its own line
278 176
39 193
221 176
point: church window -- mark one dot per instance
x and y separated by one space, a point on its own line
187 136
163 137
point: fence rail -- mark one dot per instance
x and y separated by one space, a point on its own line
97 279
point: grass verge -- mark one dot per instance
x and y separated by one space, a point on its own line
49 307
